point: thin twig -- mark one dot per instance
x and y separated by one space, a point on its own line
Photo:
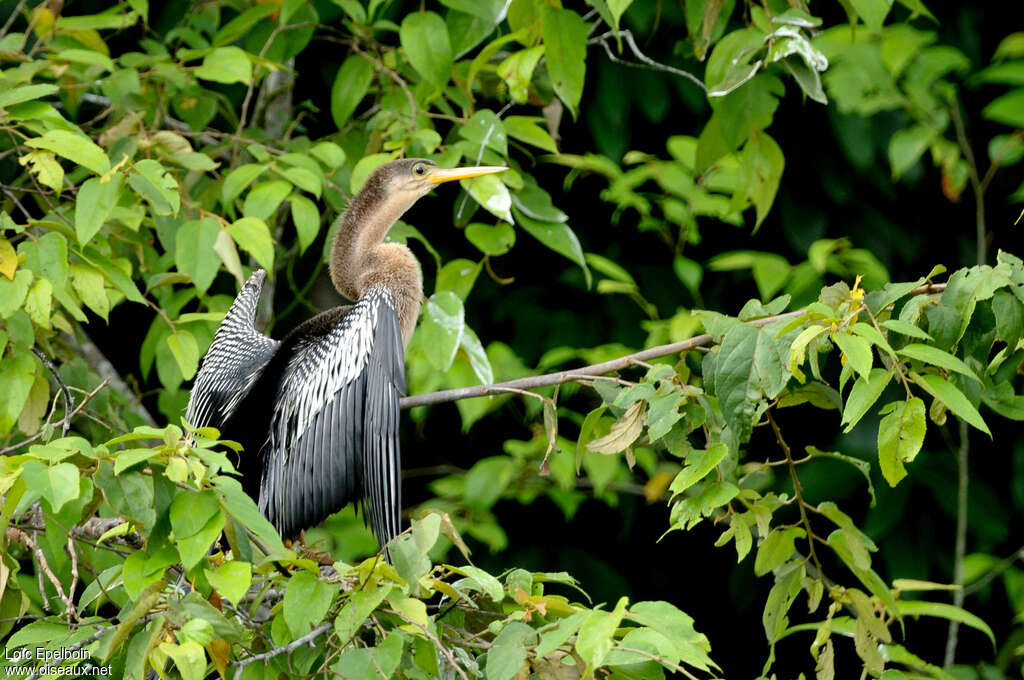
980 236
16 534
960 549
78 645
10 19
38 435
69 402
647 62
798 490
437 643
276 651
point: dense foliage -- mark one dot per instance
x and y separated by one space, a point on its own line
151 158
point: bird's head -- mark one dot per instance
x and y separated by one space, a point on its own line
405 181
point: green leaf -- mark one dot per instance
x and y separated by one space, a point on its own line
557 236
857 351
677 626
491 193
226 65
186 352
486 130
238 179
303 178
483 582
232 580
242 24
96 199
58 484
565 45
594 640
863 396
189 658
252 235
194 253
424 37
508 654
905 328
306 218
13 292
750 366
24 93
554 638
263 199
75 147
442 325
762 162
776 549
906 147
306 602
350 86
1007 109
88 284
798 349
157 186
900 436
698 464
527 129
873 12
945 611
357 609
491 240
947 393
937 357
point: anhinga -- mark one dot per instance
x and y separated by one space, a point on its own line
320 408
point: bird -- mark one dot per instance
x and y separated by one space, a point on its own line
320 408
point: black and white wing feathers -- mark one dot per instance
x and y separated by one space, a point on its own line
234 362
334 429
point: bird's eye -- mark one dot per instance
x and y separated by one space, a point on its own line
420 169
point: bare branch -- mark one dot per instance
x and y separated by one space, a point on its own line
588 373
306 639
38 435
69 402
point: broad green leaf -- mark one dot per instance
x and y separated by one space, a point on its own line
44 165
798 349
194 251
157 186
186 352
677 626
424 37
508 655
947 393
24 93
226 65
13 292
242 24
94 203
252 235
306 602
776 549
357 609
188 657
112 19
517 71
937 357
750 367
58 484
528 129
873 12
698 464
491 193
594 640
303 178
554 638
87 282
350 86
906 147
263 199
486 130
458 276
863 395
857 351
900 436
491 240
484 582
442 325
905 328
762 162
232 580
565 45
1007 109
75 147
306 219
945 611
557 236
238 179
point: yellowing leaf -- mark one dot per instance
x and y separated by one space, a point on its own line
8 259
623 433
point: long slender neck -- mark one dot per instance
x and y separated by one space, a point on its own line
359 259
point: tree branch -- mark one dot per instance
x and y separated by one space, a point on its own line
69 402
587 373
39 435
960 548
276 651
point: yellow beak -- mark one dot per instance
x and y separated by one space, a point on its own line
439 175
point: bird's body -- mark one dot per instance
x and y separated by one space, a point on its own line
319 409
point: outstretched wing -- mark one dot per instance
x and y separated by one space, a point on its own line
234 361
334 430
